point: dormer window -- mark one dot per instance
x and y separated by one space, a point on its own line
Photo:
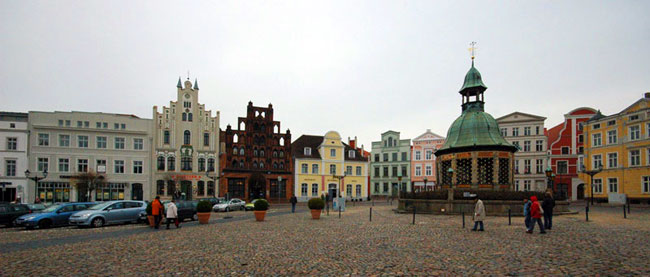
351 153
307 151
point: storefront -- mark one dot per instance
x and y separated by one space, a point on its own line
110 191
53 192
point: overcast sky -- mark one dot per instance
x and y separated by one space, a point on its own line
357 67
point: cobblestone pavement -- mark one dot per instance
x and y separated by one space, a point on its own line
294 244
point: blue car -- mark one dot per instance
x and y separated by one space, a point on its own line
55 215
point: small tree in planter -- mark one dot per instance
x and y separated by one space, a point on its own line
260 207
150 218
316 206
203 210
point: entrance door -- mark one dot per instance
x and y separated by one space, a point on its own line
332 191
186 190
581 191
562 191
257 190
136 191
8 195
395 190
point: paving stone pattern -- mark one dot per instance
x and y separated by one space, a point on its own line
294 244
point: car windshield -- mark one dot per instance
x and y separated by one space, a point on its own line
52 208
100 206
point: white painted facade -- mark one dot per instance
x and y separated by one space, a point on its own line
527 132
13 156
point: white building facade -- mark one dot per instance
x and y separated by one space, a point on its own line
13 157
185 156
114 147
526 131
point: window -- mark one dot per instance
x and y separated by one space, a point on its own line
101 142
526 131
241 151
348 190
60 123
526 185
612 184
385 171
43 140
138 144
376 187
516 185
562 167
385 187
200 188
390 141
186 163
635 132
581 163
598 161
137 167
307 151
303 190
12 143
104 125
612 160
116 126
565 150
635 157
394 171
82 165
82 141
201 164
598 185
404 171
527 166
119 143
119 166
314 189
417 155
64 165
186 137
10 168
394 157
515 132
210 164
427 154
358 191
86 124
314 169
611 137
611 123
332 169
404 158
428 171
596 140
418 170
97 124
43 164
634 117
376 157
527 146
539 166
166 137
376 171
516 167
333 152
358 171
504 132
187 104
161 163
79 124
171 163
536 130
304 167
351 154
646 184
348 170
581 139
189 117
206 139
596 126
385 157
101 163
516 144
539 145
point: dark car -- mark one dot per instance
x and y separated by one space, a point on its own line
9 212
186 209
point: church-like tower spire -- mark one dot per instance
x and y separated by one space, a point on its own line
179 85
473 86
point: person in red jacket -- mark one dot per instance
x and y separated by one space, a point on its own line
536 216
156 211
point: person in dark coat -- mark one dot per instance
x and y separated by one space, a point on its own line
536 215
293 201
547 206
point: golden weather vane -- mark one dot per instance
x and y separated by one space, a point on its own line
472 48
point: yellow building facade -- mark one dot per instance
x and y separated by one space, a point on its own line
620 143
326 165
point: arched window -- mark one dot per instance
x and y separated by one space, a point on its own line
281 165
161 163
171 163
262 152
241 151
281 154
184 116
171 187
242 126
201 164
234 150
166 137
200 188
263 128
241 164
210 164
255 164
234 163
235 138
262 165
277 129
281 142
275 153
390 141
189 117
256 126
186 163
186 137
255 152
275 165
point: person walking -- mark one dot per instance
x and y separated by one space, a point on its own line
293 201
527 213
547 206
536 215
172 214
156 211
479 214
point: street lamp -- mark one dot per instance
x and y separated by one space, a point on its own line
451 176
549 175
339 178
216 179
279 189
36 179
591 173
399 182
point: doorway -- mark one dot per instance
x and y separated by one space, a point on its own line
186 190
136 191
562 191
8 195
332 191
581 192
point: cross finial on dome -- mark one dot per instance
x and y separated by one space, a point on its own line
472 49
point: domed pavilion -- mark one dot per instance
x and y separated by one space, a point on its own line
475 154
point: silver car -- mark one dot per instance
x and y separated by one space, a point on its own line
112 212
232 205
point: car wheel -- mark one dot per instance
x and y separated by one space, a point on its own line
98 222
195 217
44 224
227 209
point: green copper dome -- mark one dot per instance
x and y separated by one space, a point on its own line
473 80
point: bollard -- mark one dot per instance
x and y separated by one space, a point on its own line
339 211
628 206
463 219
413 215
587 213
370 214
509 218
624 212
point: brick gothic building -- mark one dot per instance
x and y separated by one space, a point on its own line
255 156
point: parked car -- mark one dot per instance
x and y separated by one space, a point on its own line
233 204
213 200
9 212
55 215
111 212
186 209
36 207
250 206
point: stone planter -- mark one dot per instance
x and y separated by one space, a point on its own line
204 218
315 214
259 215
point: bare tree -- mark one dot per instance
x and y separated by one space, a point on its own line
88 181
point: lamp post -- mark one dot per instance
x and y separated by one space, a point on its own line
591 174
36 178
216 179
425 183
402 190
451 177
279 184
549 175
339 178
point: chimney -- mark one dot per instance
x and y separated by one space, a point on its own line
647 95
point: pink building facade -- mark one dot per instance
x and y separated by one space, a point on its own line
423 161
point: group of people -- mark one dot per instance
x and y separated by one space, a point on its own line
157 210
533 212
